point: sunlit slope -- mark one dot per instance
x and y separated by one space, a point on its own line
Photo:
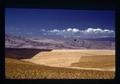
104 62
17 69
56 58
104 59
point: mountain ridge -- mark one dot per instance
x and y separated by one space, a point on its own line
12 41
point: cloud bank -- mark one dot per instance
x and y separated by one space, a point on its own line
89 32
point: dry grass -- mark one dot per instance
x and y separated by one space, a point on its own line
16 69
57 59
86 51
103 62
76 58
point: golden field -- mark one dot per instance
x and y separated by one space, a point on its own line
63 64
71 58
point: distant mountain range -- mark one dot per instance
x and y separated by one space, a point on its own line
12 41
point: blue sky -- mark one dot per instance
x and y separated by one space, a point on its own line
42 21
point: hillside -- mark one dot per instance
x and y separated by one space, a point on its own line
16 69
86 59
12 41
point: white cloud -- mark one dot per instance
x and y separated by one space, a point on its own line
90 32
72 30
69 29
54 30
106 30
63 30
98 30
75 30
109 31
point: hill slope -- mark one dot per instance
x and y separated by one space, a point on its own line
16 69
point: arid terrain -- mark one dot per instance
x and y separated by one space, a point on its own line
62 64
76 58
59 43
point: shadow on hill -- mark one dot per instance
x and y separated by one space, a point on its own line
22 53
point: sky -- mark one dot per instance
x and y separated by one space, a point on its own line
61 22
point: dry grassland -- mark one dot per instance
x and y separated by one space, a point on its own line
79 59
16 69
